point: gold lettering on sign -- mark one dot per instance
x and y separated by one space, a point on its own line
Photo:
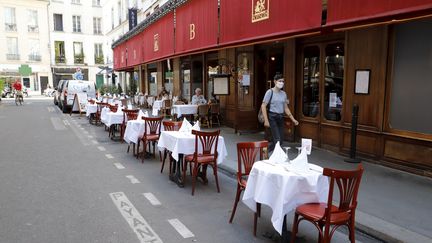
191 31
260 10
156 43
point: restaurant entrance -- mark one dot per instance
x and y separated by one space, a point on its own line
320 85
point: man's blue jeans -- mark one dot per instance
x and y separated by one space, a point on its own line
276 122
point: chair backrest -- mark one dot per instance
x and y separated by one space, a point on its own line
248 153
172 125
129 114
167 103
152 125
203 110
348 183
179 102
113 108
100 105
214 108
208 142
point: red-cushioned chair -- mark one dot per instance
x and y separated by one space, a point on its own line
325 215
169 126
151 134
128 114
205 154
247 154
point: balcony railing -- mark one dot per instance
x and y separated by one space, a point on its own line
99 60
10 27
60 59
78 59
33 28
34 57
12 56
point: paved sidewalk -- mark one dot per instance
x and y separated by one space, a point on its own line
394 206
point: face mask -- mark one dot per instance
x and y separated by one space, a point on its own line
279 85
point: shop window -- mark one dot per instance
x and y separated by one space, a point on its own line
311 66
212 70
411 99
185 75
152 78
197 74
333 83
168 75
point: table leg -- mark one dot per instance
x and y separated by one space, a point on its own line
176 175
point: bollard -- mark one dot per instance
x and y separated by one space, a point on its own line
352 158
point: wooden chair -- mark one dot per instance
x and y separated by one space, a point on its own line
151 134
214 113
169 126
205 154
100 106
166 108
247 154
203 112
127 116
324 215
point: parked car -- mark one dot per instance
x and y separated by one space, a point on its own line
58 91
71 87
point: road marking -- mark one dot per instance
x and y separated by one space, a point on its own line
133 179
119 166
50 109
109 156
101 148
57 123
94 142
138 224
181 228
152 199
90 136
66 122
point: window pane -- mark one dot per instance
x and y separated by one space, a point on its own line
311 66
185 73
333 87
12 43
58 22
411 99
197 78
153 83
9 15
32 18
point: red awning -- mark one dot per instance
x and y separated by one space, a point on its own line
196 26
134 48
256 19
120 60
347 11
159 39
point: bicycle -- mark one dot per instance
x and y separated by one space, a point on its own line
19 98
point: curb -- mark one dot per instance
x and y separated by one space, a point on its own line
369 224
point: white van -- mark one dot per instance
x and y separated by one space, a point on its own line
71 87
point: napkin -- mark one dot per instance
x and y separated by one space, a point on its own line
141 114
186 126
175 98
155 112
196 126
278 155
300 164
119 109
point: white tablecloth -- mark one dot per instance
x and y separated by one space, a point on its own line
135 130
184 110
90 109
111 118
157 104
150 100
184 143
283 190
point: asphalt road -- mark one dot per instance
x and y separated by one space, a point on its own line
64 180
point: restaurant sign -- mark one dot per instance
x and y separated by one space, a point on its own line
260 10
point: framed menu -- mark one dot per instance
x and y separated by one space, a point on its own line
221 85
362 78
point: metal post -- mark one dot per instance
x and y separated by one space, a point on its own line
352 158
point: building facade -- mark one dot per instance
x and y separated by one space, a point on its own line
335 55
77 40
24 44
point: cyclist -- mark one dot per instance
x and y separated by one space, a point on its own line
19 95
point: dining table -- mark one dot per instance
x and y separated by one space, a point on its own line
283 188
183 143
181 110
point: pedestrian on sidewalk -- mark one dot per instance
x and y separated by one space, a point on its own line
278 106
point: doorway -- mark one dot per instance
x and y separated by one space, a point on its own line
44 83
321 84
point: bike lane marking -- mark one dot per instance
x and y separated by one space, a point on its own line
133 179
152 199
181 228
119 166
135 220
101 148
109 156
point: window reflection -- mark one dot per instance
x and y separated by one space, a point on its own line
333 85
311 66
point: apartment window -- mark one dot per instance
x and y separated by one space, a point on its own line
97 26
76 1
112 18
78 52
58 22
32 21
9 19
59 52
99 57
12 47
34 48
119 13
96 2
76 23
